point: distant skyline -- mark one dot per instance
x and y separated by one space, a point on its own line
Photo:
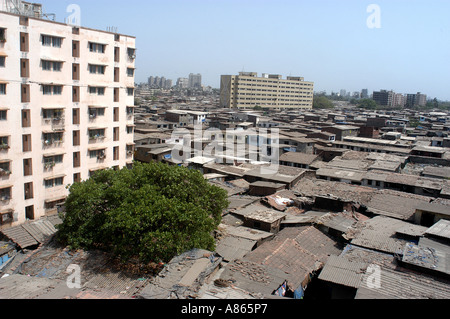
328 42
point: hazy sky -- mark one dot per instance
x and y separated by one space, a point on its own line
328 42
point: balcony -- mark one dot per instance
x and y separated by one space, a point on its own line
49 165
53 142
96 138
5 172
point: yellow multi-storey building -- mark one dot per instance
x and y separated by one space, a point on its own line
247 90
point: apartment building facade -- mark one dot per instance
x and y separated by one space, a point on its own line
247 90
66 111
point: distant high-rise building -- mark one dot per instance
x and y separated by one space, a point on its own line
247 90
159 82
195 81
399 100
364 93
417 99
168 84
383 97
183 83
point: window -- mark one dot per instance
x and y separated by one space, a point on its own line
5 168
96 69
75 72
3 115
48 40
28 190
46 66
2 35
130 129
24 47
4 142
53 138
116 74
97 47
130 111
5 194
24 68
76 159
97 154
50 183
116 54
27 167
77 178
130 72
25 93
95 112
51 66
55 114
96 134
116 153
76 49
97 90
29 212
76 138
57 90
131 53
130 150
2 61
76 94
76 116
52 89
51 161
130 91
2 88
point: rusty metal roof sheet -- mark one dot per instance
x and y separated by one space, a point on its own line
20 236
340 270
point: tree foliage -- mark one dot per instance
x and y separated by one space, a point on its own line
153 212
322 102
367 104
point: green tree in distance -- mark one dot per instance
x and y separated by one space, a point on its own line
152 212
321 102
367 104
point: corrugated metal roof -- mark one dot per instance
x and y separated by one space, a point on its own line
379 234
440 229
427 257
396 284
20 236
41 230
231 248
33 233
341 271
373 239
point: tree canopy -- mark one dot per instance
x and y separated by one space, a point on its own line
322 102
152 212
367 104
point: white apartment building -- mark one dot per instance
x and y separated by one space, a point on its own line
66 111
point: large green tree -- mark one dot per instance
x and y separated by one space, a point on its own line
152 212
322 102
367 104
